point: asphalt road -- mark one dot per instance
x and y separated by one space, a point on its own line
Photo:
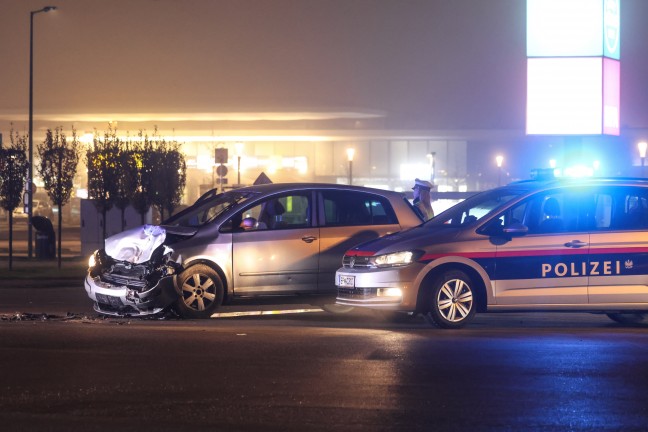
63 368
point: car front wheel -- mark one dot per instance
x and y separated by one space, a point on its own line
451 301
201 292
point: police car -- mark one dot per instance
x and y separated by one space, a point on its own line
553 245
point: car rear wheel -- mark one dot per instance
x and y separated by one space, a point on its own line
627 318
451 301
201 292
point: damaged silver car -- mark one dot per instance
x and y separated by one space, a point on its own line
265 240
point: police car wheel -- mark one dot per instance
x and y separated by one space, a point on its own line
451 301
201 292
628 318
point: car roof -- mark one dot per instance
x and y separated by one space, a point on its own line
533 184
280 187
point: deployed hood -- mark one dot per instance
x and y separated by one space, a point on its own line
135 245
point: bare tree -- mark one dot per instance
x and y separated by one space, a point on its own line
59 159
102 162
14 168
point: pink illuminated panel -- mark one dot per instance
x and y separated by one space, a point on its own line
611 98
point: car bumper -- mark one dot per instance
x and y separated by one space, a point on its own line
116 300
386 289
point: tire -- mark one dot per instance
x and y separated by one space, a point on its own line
201 292
451 301
628 318
336 308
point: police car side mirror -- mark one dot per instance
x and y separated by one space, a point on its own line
515 229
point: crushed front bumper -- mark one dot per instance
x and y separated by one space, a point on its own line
119 300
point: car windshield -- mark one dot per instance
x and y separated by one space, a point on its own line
476 207
206 210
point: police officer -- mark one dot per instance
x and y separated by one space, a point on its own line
422 189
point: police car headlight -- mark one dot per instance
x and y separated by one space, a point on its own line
393 259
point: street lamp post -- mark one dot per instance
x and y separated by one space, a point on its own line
30 179
643 145
432 158
350 153
499 159
239 153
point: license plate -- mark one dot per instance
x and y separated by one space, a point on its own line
346 281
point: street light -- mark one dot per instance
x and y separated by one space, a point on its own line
499 159
350 153
30 179
643 145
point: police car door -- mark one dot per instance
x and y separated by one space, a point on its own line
548 265
619 246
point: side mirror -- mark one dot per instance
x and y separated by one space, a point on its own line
516 229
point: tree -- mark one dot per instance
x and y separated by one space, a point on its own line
169 178
143 156
59 159
127 180
162 175
14 168
102 162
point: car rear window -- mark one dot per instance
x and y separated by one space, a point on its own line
349 208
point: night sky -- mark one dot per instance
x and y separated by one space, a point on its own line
426 64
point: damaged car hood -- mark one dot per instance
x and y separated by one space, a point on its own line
137 245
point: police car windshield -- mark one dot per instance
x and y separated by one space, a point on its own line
476 207
206 210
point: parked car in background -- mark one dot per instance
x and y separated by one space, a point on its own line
579 245
42 208
18 215
275 239
71 212
39 208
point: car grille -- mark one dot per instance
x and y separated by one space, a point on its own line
123 275
352 261
356 293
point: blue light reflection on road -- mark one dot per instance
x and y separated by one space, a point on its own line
576 380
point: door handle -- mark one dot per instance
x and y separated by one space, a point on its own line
575 244
309 239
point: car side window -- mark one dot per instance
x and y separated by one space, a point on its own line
624 209
277 212
349 208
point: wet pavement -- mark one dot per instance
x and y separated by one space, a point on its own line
321 372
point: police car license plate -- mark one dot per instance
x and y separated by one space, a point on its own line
346 281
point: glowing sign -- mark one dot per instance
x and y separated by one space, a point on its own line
611 96
573 72
612 29
573 28
564 96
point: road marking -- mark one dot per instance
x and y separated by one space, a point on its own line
258 313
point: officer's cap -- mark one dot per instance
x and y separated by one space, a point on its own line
423 184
